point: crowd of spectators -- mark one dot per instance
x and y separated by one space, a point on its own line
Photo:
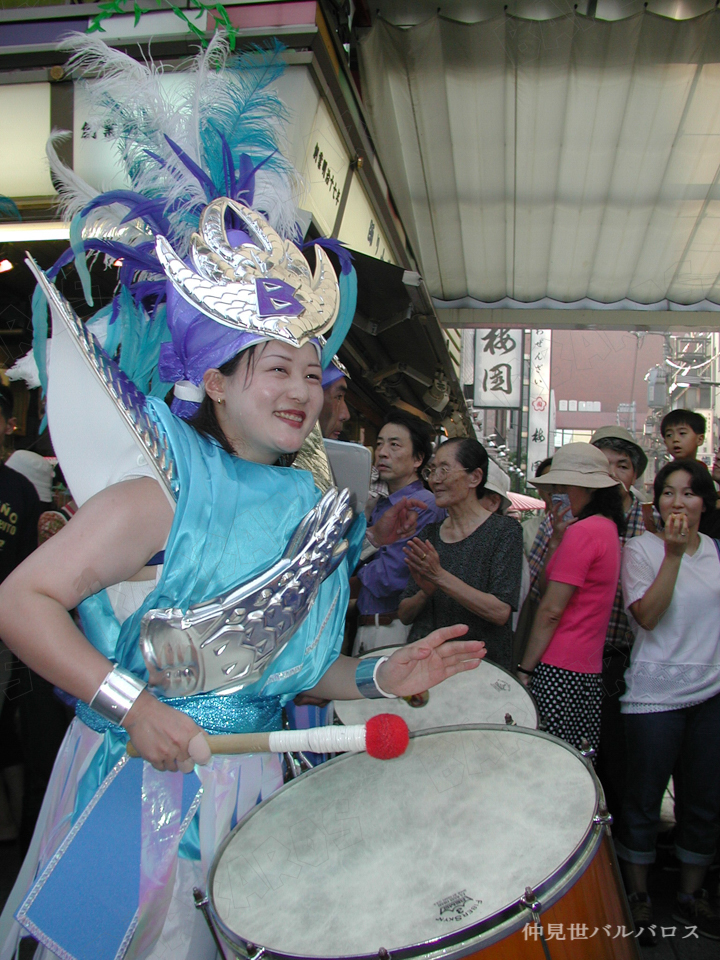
658 664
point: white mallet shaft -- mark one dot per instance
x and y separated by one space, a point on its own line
317 739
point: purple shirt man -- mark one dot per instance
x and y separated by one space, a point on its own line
403 448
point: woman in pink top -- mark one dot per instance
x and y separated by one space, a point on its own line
563 658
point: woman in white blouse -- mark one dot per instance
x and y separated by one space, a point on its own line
671 707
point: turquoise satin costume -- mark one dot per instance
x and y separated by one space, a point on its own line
233 520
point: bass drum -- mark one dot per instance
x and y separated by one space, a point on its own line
488 694
443 852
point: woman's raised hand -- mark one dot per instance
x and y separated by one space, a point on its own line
676 534
423 561
165 737
427 662
562 518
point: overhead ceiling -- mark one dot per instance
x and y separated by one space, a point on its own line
560 162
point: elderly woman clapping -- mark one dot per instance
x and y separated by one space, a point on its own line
466 569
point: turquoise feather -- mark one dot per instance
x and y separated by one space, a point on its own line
78 248
348 303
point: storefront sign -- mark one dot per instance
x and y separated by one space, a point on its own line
539 401
498 368
325 170
360 229
707 450
25 112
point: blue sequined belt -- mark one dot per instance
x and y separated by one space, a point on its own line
234 713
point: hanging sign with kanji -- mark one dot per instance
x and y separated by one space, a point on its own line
539 401
498 368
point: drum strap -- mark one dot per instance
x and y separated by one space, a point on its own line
104 895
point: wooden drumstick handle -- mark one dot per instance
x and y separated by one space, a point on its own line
229 743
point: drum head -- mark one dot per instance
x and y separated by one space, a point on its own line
360 854
486 695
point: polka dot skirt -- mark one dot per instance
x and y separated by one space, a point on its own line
569 703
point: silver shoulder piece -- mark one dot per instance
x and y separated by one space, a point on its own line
98 418
225 644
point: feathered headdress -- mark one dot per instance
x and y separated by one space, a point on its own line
205 233
207 177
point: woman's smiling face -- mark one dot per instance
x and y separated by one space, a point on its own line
270 408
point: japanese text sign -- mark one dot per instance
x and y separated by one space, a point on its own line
498 368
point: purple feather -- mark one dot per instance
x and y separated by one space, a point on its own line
62 261
151 210
340 251
203 179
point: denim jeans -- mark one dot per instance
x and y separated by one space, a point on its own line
683 743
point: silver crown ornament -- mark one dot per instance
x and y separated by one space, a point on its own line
263 287
226 644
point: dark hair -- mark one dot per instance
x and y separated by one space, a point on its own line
7 402
618 445
205 419
605 502
471 455
419 434
543 466
696 421
701 483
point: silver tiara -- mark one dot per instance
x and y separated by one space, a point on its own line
264 287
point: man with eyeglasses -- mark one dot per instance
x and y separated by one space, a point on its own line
401 454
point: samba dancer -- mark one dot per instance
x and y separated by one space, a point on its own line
249 555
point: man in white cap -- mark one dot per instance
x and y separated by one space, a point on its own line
627 461
37 470
496 500
19 512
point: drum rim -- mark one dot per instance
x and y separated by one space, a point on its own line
498 925
396 646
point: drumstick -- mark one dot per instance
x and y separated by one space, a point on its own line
384 736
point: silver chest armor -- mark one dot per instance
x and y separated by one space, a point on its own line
225 644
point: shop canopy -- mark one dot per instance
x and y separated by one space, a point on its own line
570 163
522 502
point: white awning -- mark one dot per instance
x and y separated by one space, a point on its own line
572 160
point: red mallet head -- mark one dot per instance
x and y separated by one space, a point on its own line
386 736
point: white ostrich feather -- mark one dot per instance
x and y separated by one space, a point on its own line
130 104
74 192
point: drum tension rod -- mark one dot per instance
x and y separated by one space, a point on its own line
534 906
202 903
603 817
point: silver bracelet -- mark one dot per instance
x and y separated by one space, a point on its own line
116 694
366 679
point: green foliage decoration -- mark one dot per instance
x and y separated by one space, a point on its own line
111 8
